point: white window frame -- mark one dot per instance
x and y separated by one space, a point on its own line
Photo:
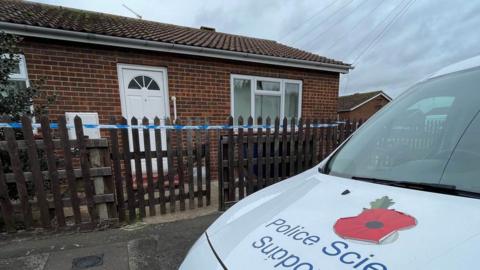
254 91
23 75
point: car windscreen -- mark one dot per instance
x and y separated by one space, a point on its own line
414 138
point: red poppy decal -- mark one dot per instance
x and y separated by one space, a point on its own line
375 224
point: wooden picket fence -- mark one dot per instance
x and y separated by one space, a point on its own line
253 158
88 182
32 196
50 180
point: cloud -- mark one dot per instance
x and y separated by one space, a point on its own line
430 35
426 39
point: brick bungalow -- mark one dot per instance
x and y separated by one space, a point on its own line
361 105
115 65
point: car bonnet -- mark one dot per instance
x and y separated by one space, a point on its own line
316 221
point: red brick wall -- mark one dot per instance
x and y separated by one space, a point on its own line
366 110
85 79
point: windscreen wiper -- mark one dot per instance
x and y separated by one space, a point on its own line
433 187
407 184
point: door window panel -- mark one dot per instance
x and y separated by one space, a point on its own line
134 85
140 82
147 81
153 86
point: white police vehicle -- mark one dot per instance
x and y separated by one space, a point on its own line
401 193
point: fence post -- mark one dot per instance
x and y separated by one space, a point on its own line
284 147
20 181
267 150
128 171
160 170
292 147
52 170
180 167
276 152
299 153
198 145
138 168
34 163
85 166
241 163
307 160
171 172
191 188
231 165
221 187
149 168
250 184
260 180
315 142
207 164
98 184
71 180
322 144
117 171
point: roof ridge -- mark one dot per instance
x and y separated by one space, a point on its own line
95 12
363 93
138 20
16 14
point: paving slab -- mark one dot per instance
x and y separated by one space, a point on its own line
139 246
31 262
111 257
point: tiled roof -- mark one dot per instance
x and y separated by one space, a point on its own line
347 103
56 17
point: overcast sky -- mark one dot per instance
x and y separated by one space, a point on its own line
388 54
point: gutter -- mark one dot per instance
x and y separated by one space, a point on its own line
58 34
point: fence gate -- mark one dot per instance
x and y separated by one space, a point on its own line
253 157
160 180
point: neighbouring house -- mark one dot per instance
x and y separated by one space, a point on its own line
361 105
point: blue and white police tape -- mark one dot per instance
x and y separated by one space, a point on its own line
175 127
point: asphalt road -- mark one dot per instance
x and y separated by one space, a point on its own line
135 247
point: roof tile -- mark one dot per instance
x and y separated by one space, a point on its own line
56 17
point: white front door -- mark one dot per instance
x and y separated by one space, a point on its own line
144 93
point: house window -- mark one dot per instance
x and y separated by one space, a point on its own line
19 77
265 97
143 82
